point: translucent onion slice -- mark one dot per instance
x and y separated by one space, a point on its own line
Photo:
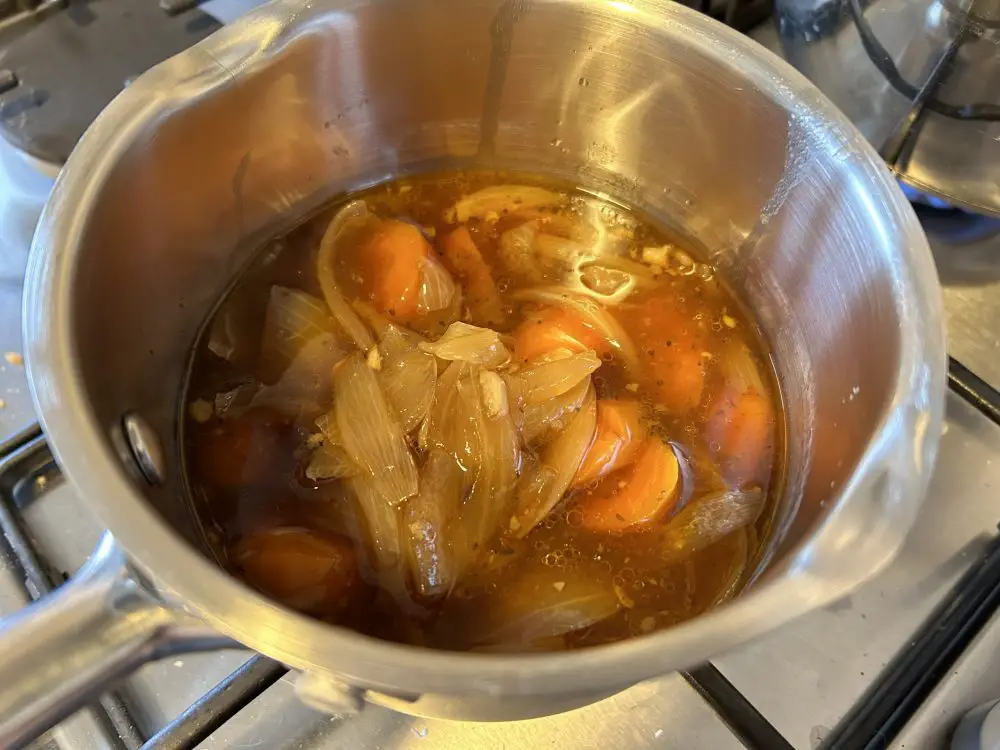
517 252
330 460
371 436
558 253
501 199
493 474
548 379
353 215
591 312
292 320
494 394
708 519
428 550
540 420
740 370
382 521
544 604
407 377
467 343
539 492
486 449
437 288
303 390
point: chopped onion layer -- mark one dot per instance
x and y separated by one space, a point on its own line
486 449
467 343
371 436
540 420
437 288
428 549
353 216
292 320
540 491
592 313
303 390
544 604
381 520
548 379
708 519
501 199
407 376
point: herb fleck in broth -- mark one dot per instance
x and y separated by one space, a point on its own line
484 411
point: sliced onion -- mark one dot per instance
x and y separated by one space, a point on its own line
467 343
437 288
303 390
548 379
591 312
493 475
740 370
382 521
292 320
331 462
540 420
544 604
708 519
408 377
354 215
494 394
558 252
501 199
517 252
487 450
429 553
234 402
539 492
371 436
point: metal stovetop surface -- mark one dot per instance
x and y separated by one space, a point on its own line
801 686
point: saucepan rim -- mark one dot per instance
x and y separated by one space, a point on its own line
191 581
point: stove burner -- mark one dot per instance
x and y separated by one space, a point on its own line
949 223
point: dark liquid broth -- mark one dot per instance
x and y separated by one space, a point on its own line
550 589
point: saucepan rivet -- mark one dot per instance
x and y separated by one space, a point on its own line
145 447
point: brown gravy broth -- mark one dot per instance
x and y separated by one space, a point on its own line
625 488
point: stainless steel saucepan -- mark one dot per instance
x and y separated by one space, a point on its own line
166 195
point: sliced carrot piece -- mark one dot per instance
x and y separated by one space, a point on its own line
300 567
670 350
743 428
554 328
635 496
392 259
618 441
242 451
463 259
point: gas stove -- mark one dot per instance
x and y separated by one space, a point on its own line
895 665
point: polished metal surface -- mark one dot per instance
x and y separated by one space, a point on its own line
972 681
936 118
822 663
788 197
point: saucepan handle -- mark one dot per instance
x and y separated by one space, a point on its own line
61 652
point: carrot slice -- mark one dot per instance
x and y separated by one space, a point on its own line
618 441
463 259
554 328
743 428
670 348
635 496
393 258
300 568
246 450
